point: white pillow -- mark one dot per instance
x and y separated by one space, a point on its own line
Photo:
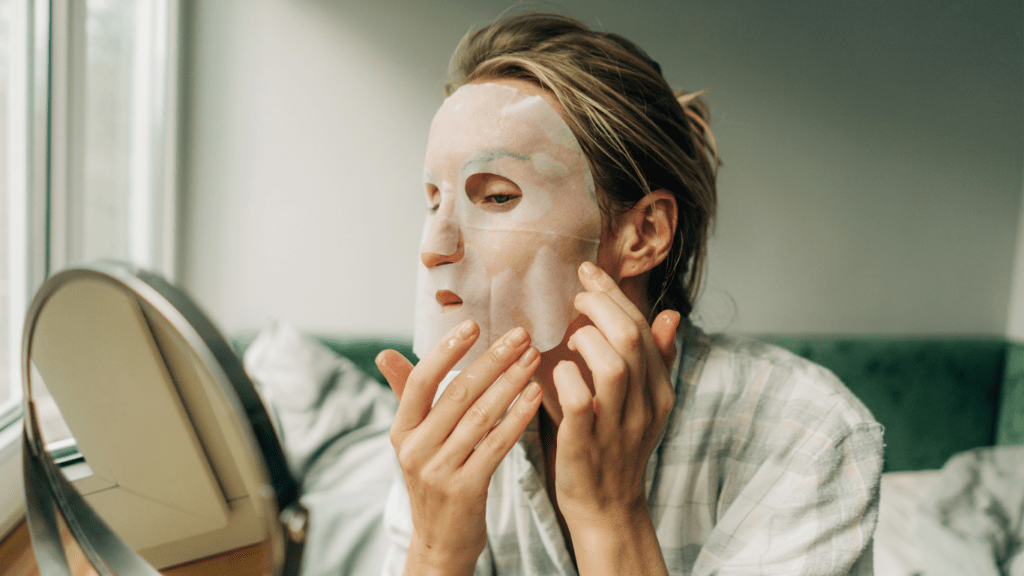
322 403
333 421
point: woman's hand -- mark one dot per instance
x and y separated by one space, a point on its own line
449 452
609 429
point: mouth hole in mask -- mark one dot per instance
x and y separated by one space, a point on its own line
448 300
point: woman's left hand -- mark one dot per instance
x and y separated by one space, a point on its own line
608 430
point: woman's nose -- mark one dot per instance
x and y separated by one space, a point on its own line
442 244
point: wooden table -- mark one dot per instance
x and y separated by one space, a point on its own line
17 559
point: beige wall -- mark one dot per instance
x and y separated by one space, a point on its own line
873 155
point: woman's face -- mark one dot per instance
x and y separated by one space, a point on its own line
512 214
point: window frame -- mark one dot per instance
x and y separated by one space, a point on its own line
45 154
28 87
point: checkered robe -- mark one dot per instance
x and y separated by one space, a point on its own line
769 465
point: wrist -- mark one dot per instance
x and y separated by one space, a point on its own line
427 559
604 521
619 541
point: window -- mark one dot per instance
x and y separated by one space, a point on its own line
111 196
88 143
8 391
22 196
18 121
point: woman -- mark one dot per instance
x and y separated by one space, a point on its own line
624 440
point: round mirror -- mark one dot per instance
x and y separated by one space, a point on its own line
146 445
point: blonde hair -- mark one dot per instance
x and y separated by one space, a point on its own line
638 134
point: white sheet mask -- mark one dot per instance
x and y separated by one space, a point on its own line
516 214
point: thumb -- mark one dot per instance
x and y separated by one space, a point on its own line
664 330
395 368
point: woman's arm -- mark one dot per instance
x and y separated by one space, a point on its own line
609 430
812 514
449 451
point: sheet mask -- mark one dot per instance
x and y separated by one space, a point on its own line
516 214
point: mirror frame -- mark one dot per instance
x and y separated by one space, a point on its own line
48 491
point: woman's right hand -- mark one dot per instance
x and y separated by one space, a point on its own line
449 452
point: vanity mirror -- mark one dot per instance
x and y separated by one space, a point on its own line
145 442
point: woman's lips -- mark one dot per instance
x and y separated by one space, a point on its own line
448 300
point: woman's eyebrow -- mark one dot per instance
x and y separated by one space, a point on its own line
491 154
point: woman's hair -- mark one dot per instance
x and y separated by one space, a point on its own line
637 133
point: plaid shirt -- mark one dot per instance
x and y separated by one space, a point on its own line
769 465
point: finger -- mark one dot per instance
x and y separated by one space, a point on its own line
610 373
622 332
630 341
496 444
662 390
627 331
577 407
594 279
464 390
664 330
421 384
482 416
395 368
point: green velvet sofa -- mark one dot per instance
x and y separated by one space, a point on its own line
935 396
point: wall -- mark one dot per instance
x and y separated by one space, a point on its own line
1015 318
872 177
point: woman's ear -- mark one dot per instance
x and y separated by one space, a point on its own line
641 238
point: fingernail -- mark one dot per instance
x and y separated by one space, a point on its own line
532 391
528 357
465 329
589 269
517 337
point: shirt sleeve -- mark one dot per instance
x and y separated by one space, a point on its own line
811 515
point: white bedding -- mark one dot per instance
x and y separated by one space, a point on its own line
965 519
896 549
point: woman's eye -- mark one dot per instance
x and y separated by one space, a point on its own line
493 192
500 198
501 202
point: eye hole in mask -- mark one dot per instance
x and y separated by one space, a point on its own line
493 192
433 198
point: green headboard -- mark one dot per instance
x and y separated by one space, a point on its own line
935 396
